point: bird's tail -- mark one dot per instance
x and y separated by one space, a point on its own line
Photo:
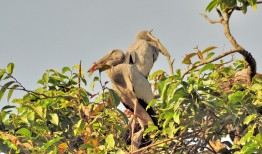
150 111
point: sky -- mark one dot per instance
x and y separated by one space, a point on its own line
40 35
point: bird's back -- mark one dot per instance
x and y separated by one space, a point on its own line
142 54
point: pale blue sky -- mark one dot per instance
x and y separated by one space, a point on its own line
39 35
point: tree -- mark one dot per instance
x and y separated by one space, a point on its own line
212 107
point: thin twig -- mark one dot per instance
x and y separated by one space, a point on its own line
79 82
209 20
155 144
22 88
221 64
186 136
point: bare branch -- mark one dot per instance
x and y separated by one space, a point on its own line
211 60
155 144
221 64
228 34
225 22
209 20
79 82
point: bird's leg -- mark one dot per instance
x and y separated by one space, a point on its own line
137 137
134 145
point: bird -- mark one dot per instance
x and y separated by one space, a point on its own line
144 52
131 86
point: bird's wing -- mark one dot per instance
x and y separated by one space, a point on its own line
141 86
133 50
130 57
143 56
125 89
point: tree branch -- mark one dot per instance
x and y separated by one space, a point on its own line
210 60
225 22
155 144
79 83
22 88
209 20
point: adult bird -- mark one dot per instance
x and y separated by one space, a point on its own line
132 87
144 52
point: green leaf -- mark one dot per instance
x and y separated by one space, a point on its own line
176 116
177 104
209 66
212 5
24 131
151 128
39 111
66 69
92 84
168 117
7 107
253 3
10 68
110 141
230 4
249 118
153 101
115 98
163 92
187 59
256 87
123 115
83 80
209 49
236 97
54 118
223 5
208 104
10 92
209 55
84 95
245 138
3 89
45 78
50 143
244 8
155 74
87 146
31 116
2 73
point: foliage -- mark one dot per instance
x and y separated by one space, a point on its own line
58 117
199 111
226 5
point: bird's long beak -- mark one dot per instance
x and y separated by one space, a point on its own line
100 65
160 45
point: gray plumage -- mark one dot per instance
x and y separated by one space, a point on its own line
143 52
127 81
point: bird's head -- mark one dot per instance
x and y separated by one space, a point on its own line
143 35
147 36
111 59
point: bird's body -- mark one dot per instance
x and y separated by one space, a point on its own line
131 86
